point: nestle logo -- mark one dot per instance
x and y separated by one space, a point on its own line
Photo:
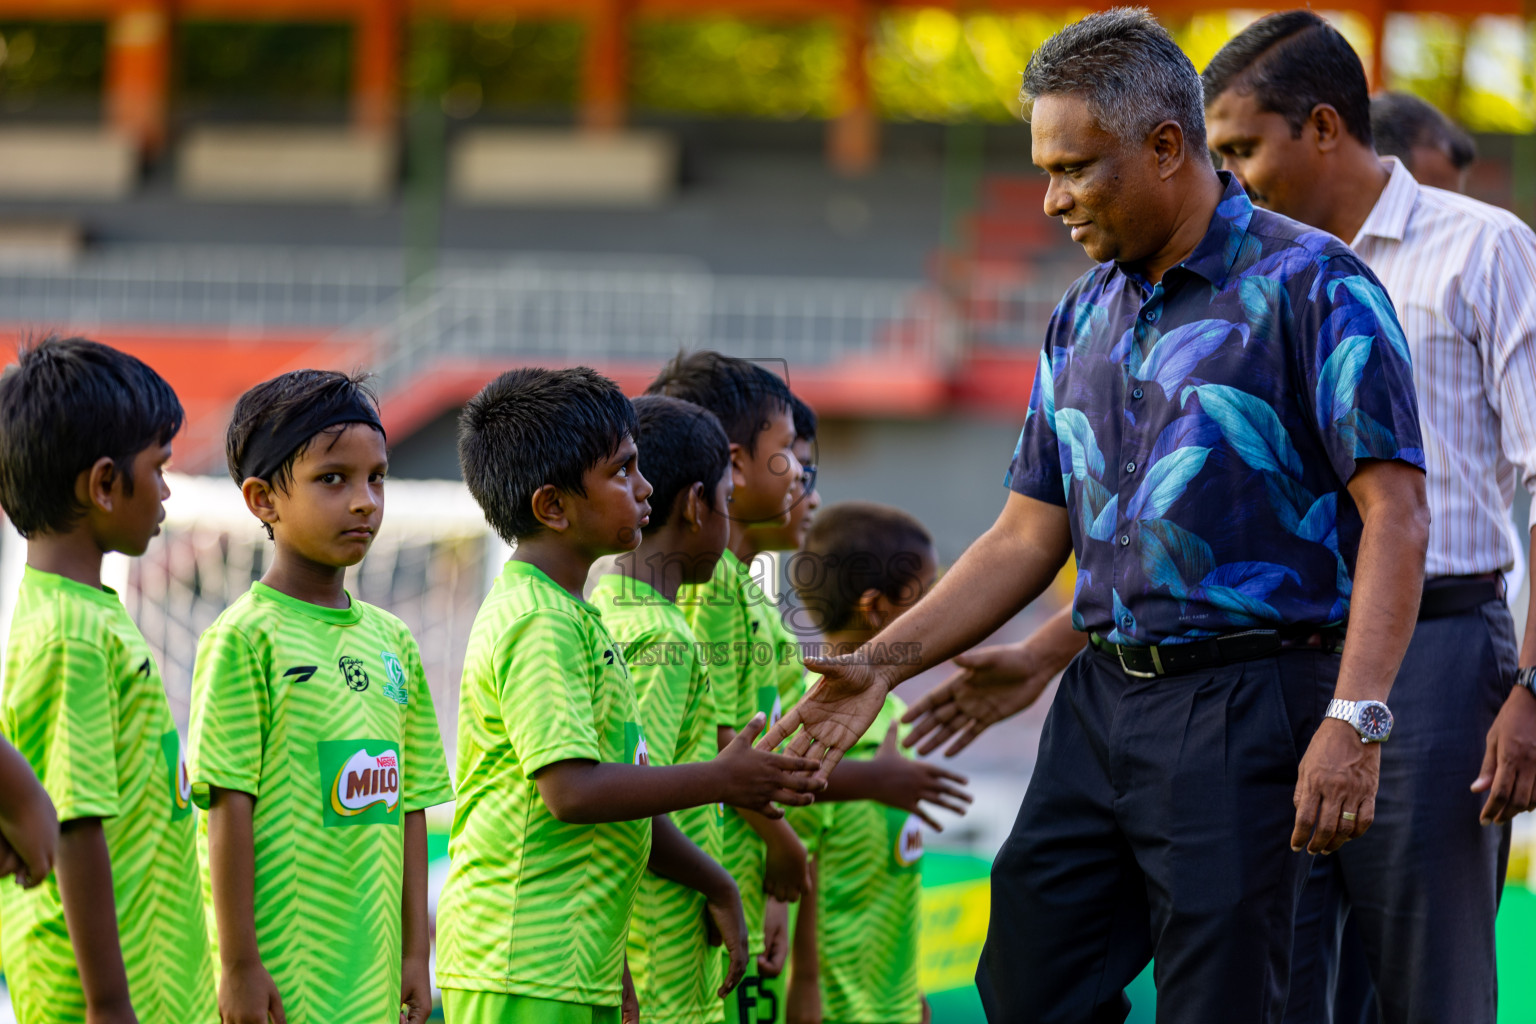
386 761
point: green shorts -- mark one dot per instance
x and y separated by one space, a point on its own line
462 1006
757 1000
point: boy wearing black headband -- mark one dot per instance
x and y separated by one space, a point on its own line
314 743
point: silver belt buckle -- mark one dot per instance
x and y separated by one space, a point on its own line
1157 664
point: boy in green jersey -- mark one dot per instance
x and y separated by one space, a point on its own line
557 806
118 933
866 564
686 457
315 744
731 615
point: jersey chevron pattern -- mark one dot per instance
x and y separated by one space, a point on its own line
729 615
534 906
85 706
322 714
870 862
675 970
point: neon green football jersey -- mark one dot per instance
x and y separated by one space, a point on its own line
534 906
85 706
869 908
323 715
731 617
790 680
675 970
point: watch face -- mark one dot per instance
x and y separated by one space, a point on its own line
1373 720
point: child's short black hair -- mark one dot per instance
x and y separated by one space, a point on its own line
805 418
64 404
681 444
741 394
532 427
856 546
275 422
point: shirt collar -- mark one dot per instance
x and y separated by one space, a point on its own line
1389 217
1212 258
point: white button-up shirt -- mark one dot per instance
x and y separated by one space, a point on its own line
1462 275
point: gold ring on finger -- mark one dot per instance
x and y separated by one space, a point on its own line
1348 815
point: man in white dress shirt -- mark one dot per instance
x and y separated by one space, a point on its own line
1287 111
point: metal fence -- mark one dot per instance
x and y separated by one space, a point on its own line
533 305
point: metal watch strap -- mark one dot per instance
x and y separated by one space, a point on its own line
1526 677
1343 710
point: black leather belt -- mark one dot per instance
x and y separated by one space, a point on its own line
1146 662
1445 596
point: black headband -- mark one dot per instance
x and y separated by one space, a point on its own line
270 447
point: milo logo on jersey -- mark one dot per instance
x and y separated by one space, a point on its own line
905 834
176 773
359 782
635 750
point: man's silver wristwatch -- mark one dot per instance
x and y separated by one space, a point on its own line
1526 677
1370 718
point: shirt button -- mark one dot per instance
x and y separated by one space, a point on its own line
1127 621
1124 540
1149 316
1130 467
1137 393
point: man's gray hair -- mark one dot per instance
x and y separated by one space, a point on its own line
1128 69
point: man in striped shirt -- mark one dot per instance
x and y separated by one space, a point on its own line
1288 113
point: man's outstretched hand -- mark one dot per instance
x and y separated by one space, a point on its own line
992 684
834 714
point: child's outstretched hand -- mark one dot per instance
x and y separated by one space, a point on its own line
775 955
756 779
415 991
725 923
907 784
787 870
248 995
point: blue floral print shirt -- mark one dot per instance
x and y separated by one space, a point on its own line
1200 431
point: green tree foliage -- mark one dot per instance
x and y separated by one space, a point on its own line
50 61
725 67
511 65
264 63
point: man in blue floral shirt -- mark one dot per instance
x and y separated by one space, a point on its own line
1224 431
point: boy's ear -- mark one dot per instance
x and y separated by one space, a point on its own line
875 608
96 487
694 504
548 503
258 498
738 465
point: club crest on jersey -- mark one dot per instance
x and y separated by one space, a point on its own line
906 834
352 671
635 750
176 773
394 689
770 704
360 782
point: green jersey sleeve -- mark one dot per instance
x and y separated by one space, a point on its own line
231 715
546 702
662 685
426 767
76 765
717 613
